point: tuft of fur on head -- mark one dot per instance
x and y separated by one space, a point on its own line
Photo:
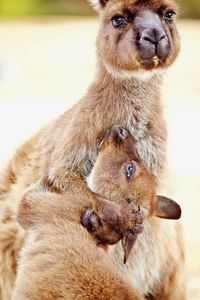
97 4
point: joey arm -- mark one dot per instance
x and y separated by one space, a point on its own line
39 205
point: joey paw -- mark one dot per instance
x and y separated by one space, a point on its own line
113 222
103 232
131 218
91 221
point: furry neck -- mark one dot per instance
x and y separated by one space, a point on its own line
139 87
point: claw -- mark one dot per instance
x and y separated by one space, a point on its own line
89 220
128 242
138 228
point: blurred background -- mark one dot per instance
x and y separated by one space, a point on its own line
47 60
11 8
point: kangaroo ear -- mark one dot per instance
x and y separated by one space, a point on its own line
167 208
98 4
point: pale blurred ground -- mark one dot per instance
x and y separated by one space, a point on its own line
46 65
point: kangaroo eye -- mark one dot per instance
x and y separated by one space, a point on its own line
130 170
169 14
118 21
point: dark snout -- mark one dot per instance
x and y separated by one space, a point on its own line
121 138
152 39
117 134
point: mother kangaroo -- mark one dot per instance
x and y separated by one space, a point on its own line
136 43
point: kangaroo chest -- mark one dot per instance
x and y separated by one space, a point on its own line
147 261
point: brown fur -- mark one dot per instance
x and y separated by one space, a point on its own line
60 260
118 95
73 267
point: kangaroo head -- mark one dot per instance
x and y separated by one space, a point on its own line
136 35
120 176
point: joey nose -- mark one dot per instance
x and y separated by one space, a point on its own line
118 134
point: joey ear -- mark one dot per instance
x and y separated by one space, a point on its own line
98 4
167 208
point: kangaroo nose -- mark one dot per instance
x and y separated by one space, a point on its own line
152 36
153 42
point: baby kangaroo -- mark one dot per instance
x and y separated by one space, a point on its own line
61 259
120 176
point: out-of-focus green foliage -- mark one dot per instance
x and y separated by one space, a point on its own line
44 7
189 8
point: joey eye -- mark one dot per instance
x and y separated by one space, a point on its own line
118 21
169 15
130 170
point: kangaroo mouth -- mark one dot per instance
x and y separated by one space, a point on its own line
150 63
